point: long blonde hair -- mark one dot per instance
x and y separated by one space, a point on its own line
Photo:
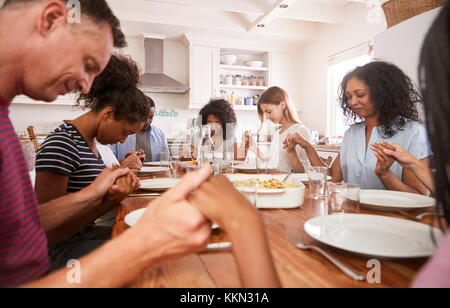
274 96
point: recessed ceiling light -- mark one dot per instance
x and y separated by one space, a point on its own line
261 26
284 6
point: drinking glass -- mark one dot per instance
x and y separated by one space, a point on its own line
343 198
164 158
228 166
317 182
263 157
174 167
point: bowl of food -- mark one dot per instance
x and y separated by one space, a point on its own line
271 193
228 59
254 63
190 165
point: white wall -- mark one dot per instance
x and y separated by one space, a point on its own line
313 65
399 46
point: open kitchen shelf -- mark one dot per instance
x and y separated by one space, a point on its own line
242 68
227 87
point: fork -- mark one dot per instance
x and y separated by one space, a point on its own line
298 242
287 176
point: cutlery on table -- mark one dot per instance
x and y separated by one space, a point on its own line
287 176
215 247
298 242
420 216
144 195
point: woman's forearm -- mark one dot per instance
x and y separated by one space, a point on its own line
252 253
424 174
313 157
58 212
78 221
295 162
392 182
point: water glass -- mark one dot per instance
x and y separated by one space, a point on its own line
164 158
317 182
207 155
263 157
343 198
174 167
228 164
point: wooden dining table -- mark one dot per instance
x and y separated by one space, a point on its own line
296 268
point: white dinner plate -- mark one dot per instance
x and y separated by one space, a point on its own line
304 177
249 168
152 164
158 184
387 200
246 168
153 169
133 217
374 236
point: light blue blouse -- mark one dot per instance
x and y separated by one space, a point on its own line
358 166
158 144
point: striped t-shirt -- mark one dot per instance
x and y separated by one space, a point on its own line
66 152
23 244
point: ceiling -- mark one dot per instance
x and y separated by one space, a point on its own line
297 21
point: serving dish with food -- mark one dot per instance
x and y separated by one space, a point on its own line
269 190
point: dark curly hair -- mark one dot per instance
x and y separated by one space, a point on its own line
116 87
392 92
222 110
98 10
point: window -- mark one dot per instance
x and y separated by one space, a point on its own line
339 66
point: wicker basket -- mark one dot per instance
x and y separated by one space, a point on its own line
397 11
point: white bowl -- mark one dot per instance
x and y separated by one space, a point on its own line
254 63
289 198
228 59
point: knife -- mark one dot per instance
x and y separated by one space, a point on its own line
144 195
215 247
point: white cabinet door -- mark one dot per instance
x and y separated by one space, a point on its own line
204 69
281 70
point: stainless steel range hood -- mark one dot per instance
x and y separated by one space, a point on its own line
154 80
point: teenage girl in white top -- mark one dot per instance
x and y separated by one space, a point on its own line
275 105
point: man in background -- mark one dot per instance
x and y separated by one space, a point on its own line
149 143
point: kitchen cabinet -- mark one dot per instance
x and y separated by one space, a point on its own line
204 78
208 75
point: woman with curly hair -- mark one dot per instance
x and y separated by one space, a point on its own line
382 103
69 160
219 114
